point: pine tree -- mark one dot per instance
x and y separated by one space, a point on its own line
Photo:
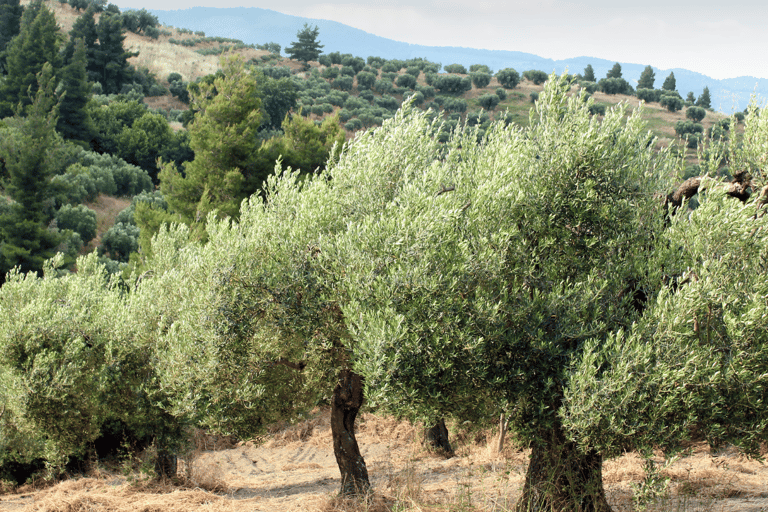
10 25
85 28
669 83
223 136
704 100
36 44
74 121
690 98
647 77
111 59
307 48
589 73
24 238
615 71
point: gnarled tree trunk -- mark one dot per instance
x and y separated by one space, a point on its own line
436 438
503 423
347 400
561 478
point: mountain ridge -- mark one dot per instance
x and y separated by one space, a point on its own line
258 25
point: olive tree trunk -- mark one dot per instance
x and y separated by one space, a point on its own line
436 438
562 478
347 400
503 424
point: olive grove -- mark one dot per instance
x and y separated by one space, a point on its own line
535 271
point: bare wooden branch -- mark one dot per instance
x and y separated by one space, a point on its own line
444 189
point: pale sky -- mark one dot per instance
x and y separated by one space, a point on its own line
721 39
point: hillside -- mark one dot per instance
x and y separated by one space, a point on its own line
256 25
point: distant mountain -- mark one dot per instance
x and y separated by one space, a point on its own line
255 25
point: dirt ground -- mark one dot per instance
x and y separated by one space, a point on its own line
295 470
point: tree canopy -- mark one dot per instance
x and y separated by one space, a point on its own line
307 47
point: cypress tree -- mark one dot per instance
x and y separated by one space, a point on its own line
74 121
26 54
10 24
615 71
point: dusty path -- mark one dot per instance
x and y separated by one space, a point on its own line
296 471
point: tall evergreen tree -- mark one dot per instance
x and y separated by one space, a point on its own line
704 100
111 62
670 84
85 28
223 136
10 24
36 44
615 71
307 47
74 121
24 237
589 73
647 77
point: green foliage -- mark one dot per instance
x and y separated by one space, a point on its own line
79 218
330 73
688 127
672 102
480 79
307 47
480 68
647 77
348 71
589 74
452 84
120 241
111 59
222 136
670 84
74 120
488 101
454 105
111 119
456 68
695 114
501 93
534 96
139 21
704 100
144 141
690 99
27 155
649 95
376 62
614 86
365 81
589 87
278 98
383 86
615 71
10 25
535 76
414 71
96 174
26 54
343 83
178 88
406 80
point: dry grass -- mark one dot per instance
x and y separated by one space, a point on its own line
106 208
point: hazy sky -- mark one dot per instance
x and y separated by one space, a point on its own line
722 39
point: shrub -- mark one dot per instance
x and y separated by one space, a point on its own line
343 83
417 98
672 102
427 90
383 86
353 125
480 68
388 103
695 114
688 127
389 68
120 241
597 110
508 78
614 86
535 76
415 71
649 95
478 117
501 93
739 117
324 60
330 73
79 218
590 87
452 84
481 79
456 68
376 62
455 105
348 71
406 80
534 96
365 80
488 101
